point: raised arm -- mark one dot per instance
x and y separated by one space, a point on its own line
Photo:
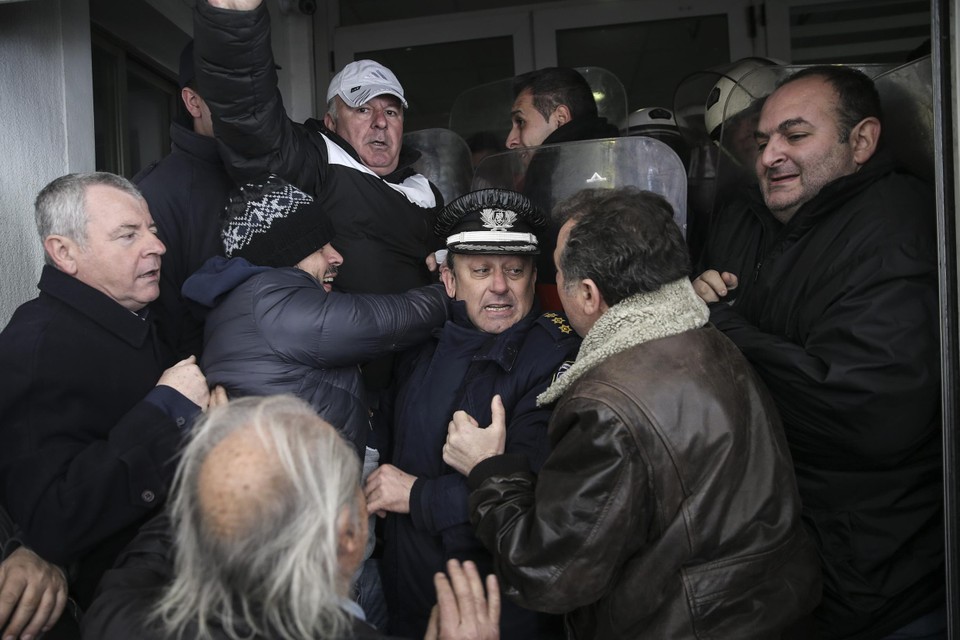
343 329
237 78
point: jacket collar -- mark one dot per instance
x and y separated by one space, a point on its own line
130 327
193 143
501 348
833 195
408 155
668 311
583 128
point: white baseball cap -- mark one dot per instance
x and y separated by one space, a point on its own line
363 80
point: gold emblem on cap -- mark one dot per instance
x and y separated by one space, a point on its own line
497 219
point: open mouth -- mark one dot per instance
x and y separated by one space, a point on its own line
781 178
497 307
153 273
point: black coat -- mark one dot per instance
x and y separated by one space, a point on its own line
837 310
186 192
87 442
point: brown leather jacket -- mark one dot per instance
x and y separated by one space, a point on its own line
668 506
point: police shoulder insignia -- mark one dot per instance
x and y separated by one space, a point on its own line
557 324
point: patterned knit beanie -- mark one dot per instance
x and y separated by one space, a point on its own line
273 224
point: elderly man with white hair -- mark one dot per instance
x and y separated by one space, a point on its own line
270 525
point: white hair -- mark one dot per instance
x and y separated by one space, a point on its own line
277 575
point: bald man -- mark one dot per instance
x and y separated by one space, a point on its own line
270 527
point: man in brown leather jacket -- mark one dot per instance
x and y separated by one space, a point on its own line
667 507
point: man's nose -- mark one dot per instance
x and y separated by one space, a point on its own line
772 154
513 139
155 245
498 283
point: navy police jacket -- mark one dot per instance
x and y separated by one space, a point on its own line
462 368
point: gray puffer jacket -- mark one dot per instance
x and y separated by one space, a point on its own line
273 331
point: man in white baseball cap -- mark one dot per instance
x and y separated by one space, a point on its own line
362 80
352 161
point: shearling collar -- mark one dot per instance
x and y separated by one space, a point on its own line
672 309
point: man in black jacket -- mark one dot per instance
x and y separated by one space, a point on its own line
554 104
93 412
551 106
826 279
186 192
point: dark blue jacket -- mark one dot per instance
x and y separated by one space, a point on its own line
462 368
278 331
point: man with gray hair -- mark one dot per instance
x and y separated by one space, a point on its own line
667 505
270 526
93 412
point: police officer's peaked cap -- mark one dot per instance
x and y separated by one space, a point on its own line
491 221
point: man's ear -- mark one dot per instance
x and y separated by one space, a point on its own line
191 100
329 123
593 303
350 547
864 139
563 115
449 281
62 251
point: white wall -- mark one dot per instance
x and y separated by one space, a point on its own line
292 39
45 54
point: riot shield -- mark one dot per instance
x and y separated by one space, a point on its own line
906 94
550 173
483 112
444 160
699 102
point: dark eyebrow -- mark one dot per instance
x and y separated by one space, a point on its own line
791 123
783 127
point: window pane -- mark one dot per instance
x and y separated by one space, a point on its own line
106 111
434 75
859 31
367 11
148 120
648 57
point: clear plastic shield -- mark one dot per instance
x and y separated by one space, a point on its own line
444 160
907 97
551 173
483 112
